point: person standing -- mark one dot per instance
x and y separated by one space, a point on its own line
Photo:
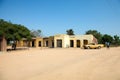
107 44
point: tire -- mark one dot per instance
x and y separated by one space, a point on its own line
88 47
99 47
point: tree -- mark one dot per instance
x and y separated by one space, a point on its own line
36 33
96 34
116 40
70 32
3 27
107 38
13 32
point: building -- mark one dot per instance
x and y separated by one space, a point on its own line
35 42
59 41
75 41
56 41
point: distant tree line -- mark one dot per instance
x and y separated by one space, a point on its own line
102 38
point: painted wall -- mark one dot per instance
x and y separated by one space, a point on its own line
52 40
66 40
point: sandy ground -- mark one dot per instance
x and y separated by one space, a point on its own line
61 64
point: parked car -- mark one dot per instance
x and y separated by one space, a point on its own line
93 46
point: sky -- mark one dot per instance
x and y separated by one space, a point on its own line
56 16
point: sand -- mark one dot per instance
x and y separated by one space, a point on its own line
61 64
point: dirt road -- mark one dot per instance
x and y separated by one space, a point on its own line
61 64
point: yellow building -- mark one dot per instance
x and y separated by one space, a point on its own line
60 40
73 40
35 42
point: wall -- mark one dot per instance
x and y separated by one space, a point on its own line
64 38
66 41
89 38
74 40
44 42
52 40
36 41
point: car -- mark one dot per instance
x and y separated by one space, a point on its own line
93 46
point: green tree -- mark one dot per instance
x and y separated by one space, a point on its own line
96 34
36 33
13 32
70 32
3 27
107 38
116 40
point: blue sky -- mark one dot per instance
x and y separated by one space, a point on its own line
56 16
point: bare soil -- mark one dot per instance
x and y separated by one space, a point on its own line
60 64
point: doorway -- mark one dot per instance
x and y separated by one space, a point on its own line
52 44
46 44
59 43
71 43
33 43
85 42
39 43
78 43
